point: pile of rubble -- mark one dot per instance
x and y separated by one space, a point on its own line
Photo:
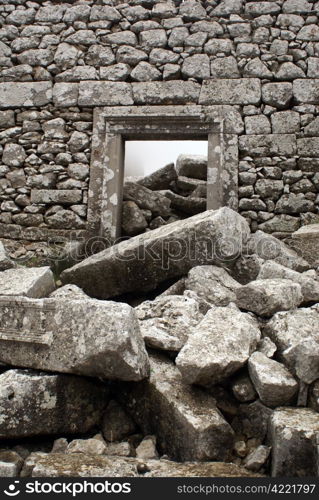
167 195
216 376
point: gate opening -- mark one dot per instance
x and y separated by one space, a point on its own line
164 181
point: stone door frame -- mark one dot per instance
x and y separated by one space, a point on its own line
112 126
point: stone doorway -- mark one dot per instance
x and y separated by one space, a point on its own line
115 125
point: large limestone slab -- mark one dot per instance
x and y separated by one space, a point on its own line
35 404
166 322
172 92
84 337
80 465
25 94
273 382
309 286
265 297
160 179
268 247
233 91
212 237
92 93
305 242
293 434
268 145
32 282
212 284
291 330
219 346
186 421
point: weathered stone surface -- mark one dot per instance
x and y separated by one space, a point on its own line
116 424
270 145
293 434
196 66
172 92
133 220
268 247
93 93
145 72
278 95
160 179
213 284
307 360
25 94
166 322
108 273
252 420
193 166
265 297
56 196
34 404
314 396
87 446
273 382
309 286
32 282
306 243
65 94
5 261
189 205
165 405
147 199
84 337
293 204
147 448
280 223
306 91
232 91
209 355
289 330
13 155
80 465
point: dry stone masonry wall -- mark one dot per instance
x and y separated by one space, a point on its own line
60 60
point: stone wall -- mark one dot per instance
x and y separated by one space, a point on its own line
60 60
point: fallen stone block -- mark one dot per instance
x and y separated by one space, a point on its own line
252 420
35 404
84 337
257 458
309 286
32 282
133 220
213 284
314 396
147 199
161 179
5 261
267 296
188 205
166 322
219 346
307 360
87 446
193 166
213 237
243 389
293 434
273 382
292 329
305 242
80 465
166 406
268 247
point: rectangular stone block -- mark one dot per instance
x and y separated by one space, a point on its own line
306 91
25 94
268 145
186 421
45 404
92 93
52 196
65 94
233 91
173 92
81 336
32 282
308 146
